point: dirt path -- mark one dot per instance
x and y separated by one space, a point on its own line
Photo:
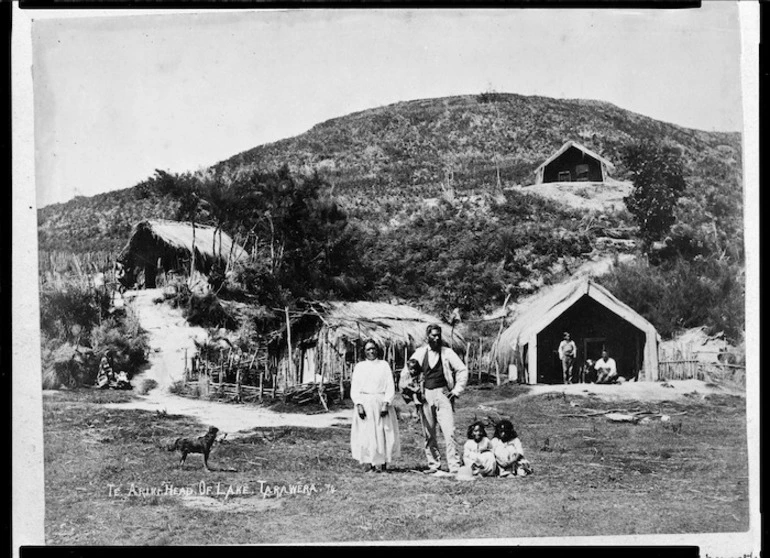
641 391
169 336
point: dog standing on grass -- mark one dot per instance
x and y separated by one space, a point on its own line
196 445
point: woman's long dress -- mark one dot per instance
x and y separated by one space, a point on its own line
374 439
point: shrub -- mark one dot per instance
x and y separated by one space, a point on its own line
147 385
70 312
125 341
77 328
207 311
68 366
177 388
683 294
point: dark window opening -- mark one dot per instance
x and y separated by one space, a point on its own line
581 173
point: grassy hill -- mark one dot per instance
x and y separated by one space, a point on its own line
383 160
409 150
422 185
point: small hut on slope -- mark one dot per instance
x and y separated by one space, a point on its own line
327 344
573 163
157 247
595 320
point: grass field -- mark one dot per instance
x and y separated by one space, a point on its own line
592 477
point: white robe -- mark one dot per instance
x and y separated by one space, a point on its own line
480 454
374 439
507 453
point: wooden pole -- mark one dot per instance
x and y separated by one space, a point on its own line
497 339
221 370
478 357
289 362
321 395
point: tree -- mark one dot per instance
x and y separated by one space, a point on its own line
657 173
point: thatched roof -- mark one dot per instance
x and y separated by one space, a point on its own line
582 148
388 324
209 243
539 311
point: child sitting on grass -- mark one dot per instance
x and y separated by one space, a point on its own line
508 451
477 452
414 390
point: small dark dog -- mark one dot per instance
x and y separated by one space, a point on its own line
196 445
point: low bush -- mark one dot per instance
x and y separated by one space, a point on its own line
78 327
204 310
207 311
177 388
683 294
147 386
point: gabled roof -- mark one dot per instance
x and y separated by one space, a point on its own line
582 148
537 313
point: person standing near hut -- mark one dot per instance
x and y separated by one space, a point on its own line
567 354
374 437
444 379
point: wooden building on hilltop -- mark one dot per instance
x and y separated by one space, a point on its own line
573 163
158 247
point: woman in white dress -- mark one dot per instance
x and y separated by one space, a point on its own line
374 437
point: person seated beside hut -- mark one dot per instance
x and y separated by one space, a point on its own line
414 390
105 378
122 381
606 369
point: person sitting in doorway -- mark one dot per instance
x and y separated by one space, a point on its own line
606 369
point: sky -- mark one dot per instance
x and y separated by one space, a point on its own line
116 97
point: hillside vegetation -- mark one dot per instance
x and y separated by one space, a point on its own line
415 193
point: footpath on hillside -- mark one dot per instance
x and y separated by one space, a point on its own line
169 337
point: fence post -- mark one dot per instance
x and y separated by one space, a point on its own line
479 357
289 361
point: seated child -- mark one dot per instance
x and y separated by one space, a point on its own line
477 452
508 451
413 390
123 382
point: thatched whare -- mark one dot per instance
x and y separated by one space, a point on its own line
594 318
327 344
573 163
161 246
